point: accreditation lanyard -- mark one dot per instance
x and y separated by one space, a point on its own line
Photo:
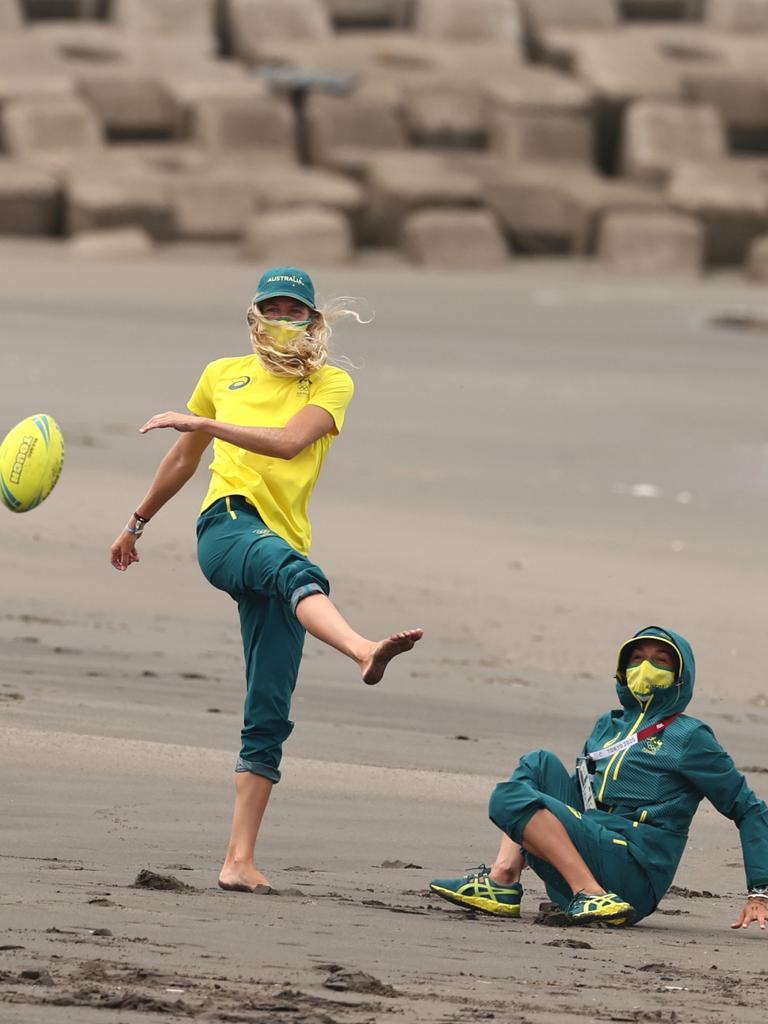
582 763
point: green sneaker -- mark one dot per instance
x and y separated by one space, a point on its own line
606 908
476 891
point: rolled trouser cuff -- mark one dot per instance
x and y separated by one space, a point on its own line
257 768
301 592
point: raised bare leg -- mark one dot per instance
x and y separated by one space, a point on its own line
545 837
320 617
509 863
252 794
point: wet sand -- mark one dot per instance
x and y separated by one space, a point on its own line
536 464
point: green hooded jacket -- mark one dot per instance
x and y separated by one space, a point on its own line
650 792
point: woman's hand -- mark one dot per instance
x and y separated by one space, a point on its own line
180 421
753 910
123 552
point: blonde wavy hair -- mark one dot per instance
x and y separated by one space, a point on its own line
312 349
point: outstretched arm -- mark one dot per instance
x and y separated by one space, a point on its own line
173 472
306 427
713 773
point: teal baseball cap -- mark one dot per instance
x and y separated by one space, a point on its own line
286 281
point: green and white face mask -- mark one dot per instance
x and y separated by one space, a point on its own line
284 332
645 679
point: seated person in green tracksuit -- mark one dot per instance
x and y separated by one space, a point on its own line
607 840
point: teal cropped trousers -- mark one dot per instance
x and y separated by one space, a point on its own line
240 555
541 781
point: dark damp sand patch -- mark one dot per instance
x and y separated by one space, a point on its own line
114 986
38 620
737 321
147 879
693 894
551 916
347 979
380 905
570 944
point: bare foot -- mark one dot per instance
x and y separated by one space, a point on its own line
374 666
243 878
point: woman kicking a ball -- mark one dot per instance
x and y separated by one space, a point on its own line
272 416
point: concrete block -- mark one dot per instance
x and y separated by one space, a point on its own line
757 259
447 112
308 235
344 133
454 239
98 200
368 13
626 68
111 243
252 24
187 22
539 89
651 243
20 84
539 114
580 14
529 136
459 22
49 126
81 41
211 205
279 185
130 101
399 184
546 209
738 15
658 134
235 124
213 200
60 9
215 80
741 97
30 70
29 200
731 200
11 17
657 10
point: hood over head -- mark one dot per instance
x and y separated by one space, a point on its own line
677 697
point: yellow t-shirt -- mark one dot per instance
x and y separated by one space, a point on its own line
239 390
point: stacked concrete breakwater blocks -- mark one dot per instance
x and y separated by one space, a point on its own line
462 134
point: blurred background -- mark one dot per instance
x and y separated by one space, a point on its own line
461 133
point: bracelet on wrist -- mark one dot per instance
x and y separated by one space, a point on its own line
135 531
141 521
758 893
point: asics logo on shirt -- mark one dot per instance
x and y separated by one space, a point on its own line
241 382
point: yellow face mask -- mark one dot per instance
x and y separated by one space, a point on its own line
284 333
645 678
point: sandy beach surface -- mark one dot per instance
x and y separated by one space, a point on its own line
536 464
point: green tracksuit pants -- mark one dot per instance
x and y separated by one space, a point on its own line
542 781
267 578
